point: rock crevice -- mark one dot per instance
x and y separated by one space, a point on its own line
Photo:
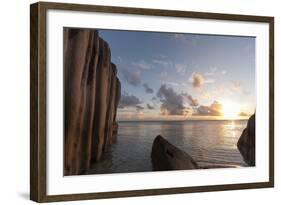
91 95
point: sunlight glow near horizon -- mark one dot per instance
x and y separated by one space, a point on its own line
230 110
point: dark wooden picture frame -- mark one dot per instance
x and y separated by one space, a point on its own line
38 101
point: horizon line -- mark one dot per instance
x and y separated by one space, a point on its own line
179 120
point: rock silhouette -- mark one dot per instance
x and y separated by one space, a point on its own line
247 142
166 156
91 95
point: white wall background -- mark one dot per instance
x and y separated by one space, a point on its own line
14 101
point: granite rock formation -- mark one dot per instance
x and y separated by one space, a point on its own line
166 156
247 142
91 95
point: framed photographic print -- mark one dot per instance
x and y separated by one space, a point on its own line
134 102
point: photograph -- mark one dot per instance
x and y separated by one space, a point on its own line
142 101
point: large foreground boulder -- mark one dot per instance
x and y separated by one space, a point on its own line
247 142
166 156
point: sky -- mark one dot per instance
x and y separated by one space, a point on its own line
170 76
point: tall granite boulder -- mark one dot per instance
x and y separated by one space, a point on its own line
91 95
247 142
166 156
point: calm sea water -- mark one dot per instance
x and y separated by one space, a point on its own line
208 142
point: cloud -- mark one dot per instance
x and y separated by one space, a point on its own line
172 103
187 39
215 109
180 68
172 83
132 76
150 107
205 95
236 86
208 73
142 65
198 80
147 88
212 71
189 111
162 62
128 101
192 102
139 107
209 80
244 114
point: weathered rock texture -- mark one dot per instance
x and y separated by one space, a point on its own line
91 95
166 156
247 142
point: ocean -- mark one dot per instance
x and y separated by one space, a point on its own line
209 142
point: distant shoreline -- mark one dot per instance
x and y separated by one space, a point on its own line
193 120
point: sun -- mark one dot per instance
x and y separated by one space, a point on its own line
230 110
